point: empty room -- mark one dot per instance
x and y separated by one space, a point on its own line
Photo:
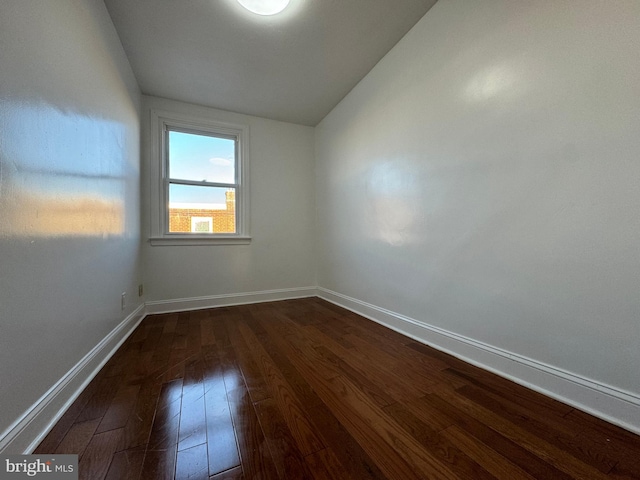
320 239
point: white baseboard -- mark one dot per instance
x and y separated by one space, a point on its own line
212 301
24 435
611 404
606 402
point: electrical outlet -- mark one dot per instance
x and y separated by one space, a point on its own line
140 290
123 300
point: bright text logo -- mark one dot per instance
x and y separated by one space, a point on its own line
58 467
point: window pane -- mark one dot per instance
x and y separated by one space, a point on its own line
201 158
195 209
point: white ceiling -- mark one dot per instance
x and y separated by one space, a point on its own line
294 67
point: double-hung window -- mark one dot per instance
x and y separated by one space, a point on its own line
199 181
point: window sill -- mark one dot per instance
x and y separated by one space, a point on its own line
199 240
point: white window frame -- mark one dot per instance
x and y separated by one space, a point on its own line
161 122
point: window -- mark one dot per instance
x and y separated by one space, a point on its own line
199 187
202 224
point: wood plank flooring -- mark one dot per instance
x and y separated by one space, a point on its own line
302 389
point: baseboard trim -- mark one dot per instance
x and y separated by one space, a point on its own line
611 404
24 435
227 300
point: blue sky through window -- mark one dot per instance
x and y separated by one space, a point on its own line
200 158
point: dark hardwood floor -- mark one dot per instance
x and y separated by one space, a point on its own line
302 389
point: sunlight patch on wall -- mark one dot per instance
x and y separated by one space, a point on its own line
491 82
82 216
61 173
393 196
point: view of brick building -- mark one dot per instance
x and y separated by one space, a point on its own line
193 218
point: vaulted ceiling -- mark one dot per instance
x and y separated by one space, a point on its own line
293 67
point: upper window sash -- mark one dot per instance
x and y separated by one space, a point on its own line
203 133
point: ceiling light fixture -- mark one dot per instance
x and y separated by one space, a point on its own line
264 7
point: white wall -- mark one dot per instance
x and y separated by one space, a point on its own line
281 253
484 179
69 192
481 181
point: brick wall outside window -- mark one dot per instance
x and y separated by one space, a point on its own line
224 221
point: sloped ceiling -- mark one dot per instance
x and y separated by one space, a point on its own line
293 67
